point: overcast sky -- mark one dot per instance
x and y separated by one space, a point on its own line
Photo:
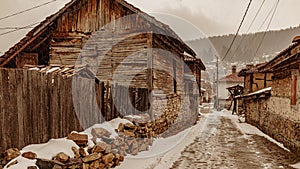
211 17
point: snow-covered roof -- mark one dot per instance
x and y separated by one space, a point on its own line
259 92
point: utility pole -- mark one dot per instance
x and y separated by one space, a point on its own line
217 82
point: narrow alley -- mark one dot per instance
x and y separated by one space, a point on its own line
224 144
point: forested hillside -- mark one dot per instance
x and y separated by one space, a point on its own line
245 47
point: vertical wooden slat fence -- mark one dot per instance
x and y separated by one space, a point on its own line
37 106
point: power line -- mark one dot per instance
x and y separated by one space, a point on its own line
269 13
264 35
7 28
26 10
251 24
21 28
258 11
238 30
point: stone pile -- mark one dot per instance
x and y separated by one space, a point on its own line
108 151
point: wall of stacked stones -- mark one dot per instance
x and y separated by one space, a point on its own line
174 113
267 115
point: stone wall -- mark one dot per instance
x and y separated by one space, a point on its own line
276 116
279 127
174 114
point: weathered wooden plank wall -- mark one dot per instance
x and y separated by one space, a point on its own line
36 106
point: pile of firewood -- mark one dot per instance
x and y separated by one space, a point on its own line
108 151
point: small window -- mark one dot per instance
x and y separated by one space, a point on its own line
294 90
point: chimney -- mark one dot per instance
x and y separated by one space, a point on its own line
233 69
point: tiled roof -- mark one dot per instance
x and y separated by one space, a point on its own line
232 78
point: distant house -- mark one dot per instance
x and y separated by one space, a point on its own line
228 81
121 45
274 107
255 80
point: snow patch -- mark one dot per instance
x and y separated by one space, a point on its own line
45 151
54 146
110 126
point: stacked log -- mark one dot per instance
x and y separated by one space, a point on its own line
144 128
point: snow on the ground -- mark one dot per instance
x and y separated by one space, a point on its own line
249 129
44 151
55 146
22 163
296 166
161 154
157 157
109 126
162 145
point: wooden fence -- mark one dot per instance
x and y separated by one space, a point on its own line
35 106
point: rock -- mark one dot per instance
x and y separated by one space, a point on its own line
129 126
56 166
94 164
129 133
79 139
101 166
115 151
12 163
82 152
107 139
94 139
62 157
85 166
117 159
133 147
108 158
130 140
108 149
74 163
76 152
121 127
91 157
48 164
100 132
99 147
29 155
121 158
32 167
11 154
143 147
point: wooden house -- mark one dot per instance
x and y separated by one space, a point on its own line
120 36
275 109
255 80
122 46
119 30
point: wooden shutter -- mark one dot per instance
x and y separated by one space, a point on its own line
294 90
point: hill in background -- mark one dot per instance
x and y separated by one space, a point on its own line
244 49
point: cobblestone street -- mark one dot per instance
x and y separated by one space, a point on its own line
223 145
